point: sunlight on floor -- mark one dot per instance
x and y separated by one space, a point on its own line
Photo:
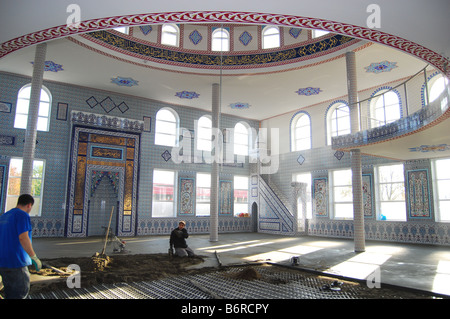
360 266
441 283
300 249
236 246
272 256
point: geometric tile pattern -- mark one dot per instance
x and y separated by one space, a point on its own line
308 91
384 66
245 38
121 81
187 95
51 66
145 29
195 37
295 32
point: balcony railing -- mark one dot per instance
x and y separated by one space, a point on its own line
428 113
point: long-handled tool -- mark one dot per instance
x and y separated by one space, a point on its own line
107 231
59 271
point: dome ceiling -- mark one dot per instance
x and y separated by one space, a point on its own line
256 83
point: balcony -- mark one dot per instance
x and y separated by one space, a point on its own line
422 134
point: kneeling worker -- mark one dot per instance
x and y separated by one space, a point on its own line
178 240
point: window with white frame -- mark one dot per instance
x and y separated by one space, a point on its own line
385 108
338 120
163 204
241 185
270 37
319 33
437 85
304 178
241 138
301 132
14 181
441 180
204 133
342 194
203 194
390 186
170 35
166 127
23 105
220 40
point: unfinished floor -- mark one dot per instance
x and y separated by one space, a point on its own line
422 267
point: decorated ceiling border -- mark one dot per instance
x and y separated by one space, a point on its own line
137 49
374 35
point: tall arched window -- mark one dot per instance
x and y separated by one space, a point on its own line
204 133
166 127
170 35
338 118
242 138
436 86
385 108
23 104
300 132
270 37
220 40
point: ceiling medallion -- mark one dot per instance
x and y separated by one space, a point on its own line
308 91
51 66
120 81
187 95
239 105
384 66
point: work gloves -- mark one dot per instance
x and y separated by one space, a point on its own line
36 263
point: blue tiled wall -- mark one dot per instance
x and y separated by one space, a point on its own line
54 148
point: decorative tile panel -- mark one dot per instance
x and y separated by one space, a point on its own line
418 191
186 195
320 196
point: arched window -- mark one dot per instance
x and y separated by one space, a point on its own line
204 133
270 37
338 118
166 127
170 35
242 138
23 104
436 86
300 132
385 108
220 40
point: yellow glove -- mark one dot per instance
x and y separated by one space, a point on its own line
36 263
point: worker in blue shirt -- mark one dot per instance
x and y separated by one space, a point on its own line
16 249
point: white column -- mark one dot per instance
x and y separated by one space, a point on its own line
358 208
214 213
33 111
352 85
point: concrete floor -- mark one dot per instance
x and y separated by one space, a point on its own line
421 267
